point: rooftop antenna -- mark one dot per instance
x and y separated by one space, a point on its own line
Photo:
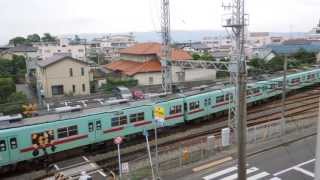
237 20
166 64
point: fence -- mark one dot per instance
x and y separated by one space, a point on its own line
206 148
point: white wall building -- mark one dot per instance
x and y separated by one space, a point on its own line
47 50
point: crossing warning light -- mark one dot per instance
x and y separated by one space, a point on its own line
185 154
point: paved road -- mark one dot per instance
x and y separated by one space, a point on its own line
292 162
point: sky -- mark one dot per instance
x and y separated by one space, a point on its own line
22 17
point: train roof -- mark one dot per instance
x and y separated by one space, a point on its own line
53 116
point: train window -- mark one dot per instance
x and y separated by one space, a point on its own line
67 131
90 126
73 130
272 86
220 99
255 90
3 146
185 106
98 125
280 84
209 101
194 105
117 121
123 120
175 109
311 76
13 143
295 80
137 117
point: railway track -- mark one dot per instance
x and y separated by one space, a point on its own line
296 105
303 105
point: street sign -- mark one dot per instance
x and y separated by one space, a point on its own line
159 113
125 167
117 140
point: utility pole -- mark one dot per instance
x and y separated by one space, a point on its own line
237 20
283 99
166 65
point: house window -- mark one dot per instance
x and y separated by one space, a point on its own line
137 117
59 50
83 87
81 50
70 72
150 80
73 88
57 90
82 71
118 121
67 131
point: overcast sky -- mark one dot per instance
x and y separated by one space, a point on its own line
22 17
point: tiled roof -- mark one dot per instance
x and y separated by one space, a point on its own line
56 58
155 48
132 67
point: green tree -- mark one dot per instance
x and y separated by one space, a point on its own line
275 64
195 56
47 37
304 57
207 56
18 41
33 38
258 63
14 103
7 87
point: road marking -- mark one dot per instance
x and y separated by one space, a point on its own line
220 173
304 171
258 176
215 163
85 158
275 178
235 176
102 173
290 168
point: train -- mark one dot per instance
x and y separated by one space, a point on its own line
27 139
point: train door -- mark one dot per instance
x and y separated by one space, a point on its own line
94 129
4 151
13 147
207 104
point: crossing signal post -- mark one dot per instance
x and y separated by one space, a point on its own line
118 141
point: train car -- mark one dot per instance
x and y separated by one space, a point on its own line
34 137
172 110
31 138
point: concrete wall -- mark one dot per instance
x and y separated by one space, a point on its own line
189 75
58 74
200 74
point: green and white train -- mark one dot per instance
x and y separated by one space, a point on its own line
23 140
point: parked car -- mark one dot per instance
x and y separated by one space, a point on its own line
122 92
138 95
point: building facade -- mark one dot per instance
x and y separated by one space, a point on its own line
142 62
63 75
76 50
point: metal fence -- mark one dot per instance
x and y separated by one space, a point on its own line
205 148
